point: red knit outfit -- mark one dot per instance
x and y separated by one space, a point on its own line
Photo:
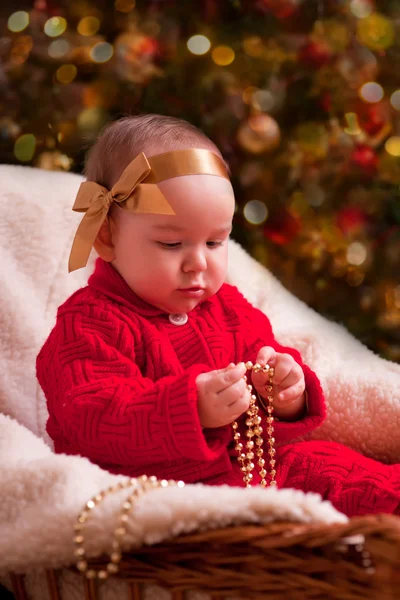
119 380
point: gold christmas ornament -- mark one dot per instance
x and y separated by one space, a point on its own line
376 32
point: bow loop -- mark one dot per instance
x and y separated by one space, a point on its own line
95 201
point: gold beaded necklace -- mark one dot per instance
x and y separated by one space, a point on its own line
140 485
254 447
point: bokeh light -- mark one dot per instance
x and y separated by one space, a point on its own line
59 48
91 120
395 99
255 212
223 56
21 49
101 52
361 8
397 296
124 6
88 26
253 46
263 100
66 73
18 21
371 92
198 44
376 32
55 26
392 145
247 94
356 254
24 147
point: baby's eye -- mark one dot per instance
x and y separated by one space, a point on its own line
214 244
171 245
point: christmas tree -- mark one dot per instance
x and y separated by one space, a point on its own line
302 98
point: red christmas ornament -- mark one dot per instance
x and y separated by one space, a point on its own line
372 122
372 117
326 102
365 158
282 228
282 9
351 219
315 54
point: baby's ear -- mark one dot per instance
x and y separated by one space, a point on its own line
103 243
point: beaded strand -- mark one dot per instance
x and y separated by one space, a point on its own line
140 486
143 484
254 447
253 450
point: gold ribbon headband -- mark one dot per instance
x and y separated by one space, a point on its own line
136 191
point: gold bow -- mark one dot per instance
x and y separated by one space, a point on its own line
136 191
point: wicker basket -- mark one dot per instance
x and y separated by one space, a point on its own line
277 561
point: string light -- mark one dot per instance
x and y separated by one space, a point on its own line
88 26
392 146
198 44
59 48
24 147
361 8
18 21
223 56
124 6
356 254
66 73
255 212
263 100
91 119
395 100
101 52
247 94
253 46
55 26
371 92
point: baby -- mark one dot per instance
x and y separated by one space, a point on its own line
144 369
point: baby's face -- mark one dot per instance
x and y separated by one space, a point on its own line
161 256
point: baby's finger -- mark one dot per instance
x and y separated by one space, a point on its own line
266 356
227 377
283 370
287 375
239 406
235 391
292 393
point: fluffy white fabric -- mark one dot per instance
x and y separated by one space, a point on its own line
41 495
36 230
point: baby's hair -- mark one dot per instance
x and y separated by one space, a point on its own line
122 140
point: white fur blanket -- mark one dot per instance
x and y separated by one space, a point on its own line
41 493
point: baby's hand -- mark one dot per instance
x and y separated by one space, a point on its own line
288 382
222 395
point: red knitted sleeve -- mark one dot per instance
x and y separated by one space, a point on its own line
101 405
257 332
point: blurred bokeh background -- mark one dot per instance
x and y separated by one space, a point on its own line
301 96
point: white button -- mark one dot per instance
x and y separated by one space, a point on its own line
178 319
